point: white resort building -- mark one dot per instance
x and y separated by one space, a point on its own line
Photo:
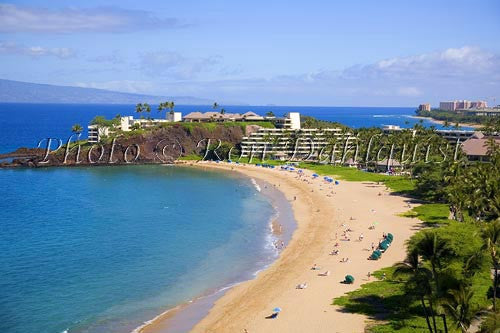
217 116
95 132
127 124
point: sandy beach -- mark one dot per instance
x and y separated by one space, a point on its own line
323 212
441 122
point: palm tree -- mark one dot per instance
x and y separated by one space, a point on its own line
491 238
420 277
434 249
270 114
459 307
222 111
171 106
215 106
138 108
162 106
146 108
77 129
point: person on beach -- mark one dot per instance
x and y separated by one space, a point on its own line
373 246
361 237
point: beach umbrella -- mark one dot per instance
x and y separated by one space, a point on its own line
384 245
300 171
277 310
349 279
336 182
391 236
315 175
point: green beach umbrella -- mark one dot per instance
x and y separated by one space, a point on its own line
384 245
349 279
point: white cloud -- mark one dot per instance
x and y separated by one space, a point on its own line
175 65
113 58
130 86
463 62
15 18
409 91
36 51
455 73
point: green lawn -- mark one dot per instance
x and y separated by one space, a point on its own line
398 184
430 213
191 157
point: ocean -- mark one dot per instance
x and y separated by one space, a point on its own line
24 125
104 249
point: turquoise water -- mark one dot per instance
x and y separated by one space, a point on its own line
103 249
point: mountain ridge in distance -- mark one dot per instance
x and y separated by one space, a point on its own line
25 92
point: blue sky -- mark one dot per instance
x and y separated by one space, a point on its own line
359 53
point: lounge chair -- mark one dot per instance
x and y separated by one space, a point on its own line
273 316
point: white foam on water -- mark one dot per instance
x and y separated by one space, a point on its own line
257 187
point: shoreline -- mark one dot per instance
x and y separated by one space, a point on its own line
183 317
441 122
321 211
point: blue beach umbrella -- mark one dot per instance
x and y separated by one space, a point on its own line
315 175
277 310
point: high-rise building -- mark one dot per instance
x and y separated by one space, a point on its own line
448 106
478 105
424 107
463 105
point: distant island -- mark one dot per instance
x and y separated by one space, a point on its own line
25 92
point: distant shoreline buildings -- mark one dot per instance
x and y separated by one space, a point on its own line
464 107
